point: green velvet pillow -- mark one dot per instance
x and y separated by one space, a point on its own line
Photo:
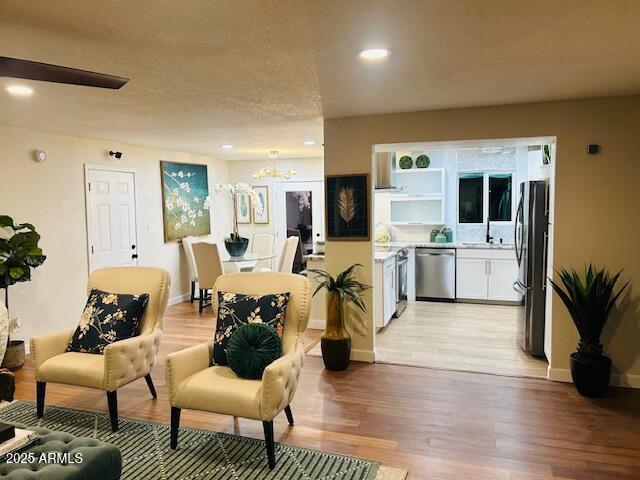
251 348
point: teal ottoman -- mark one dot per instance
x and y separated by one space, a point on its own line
99 460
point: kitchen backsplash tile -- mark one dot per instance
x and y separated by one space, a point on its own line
477 233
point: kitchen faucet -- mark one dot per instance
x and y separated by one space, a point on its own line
489 238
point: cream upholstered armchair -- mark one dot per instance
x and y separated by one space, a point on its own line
194 383
123 361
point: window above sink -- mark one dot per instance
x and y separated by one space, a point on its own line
486 196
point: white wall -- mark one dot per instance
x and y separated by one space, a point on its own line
243 170
51 196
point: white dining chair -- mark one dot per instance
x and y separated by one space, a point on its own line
288 255
263 244
187 245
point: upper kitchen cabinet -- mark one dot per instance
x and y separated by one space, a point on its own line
416 210
423 181
422 197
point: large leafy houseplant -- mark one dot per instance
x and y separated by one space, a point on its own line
589 299
19 255
336 340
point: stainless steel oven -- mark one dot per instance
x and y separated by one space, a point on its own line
402 264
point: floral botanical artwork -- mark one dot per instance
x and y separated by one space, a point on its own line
236 309
185 200
347 207
263 194
243 208
107 318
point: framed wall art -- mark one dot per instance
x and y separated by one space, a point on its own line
263 194
347 207
243 208
185 188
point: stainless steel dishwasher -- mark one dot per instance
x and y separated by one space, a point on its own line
436 273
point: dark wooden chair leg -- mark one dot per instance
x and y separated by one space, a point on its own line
41 388
112 398
193 291
175 425
200 301
271 446
287 412
152 389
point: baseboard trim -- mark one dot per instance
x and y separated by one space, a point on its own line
559 374
179 299
316 324
617 379
362 355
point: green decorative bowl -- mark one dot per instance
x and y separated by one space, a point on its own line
423 161
406 162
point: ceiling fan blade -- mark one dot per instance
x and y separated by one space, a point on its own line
17 68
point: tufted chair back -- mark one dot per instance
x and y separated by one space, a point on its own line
135 281
263 283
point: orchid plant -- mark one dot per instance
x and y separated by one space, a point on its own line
235 191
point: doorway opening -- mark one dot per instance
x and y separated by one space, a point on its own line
300 212
474 221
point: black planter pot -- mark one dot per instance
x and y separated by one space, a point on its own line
237 248
590 374
336 353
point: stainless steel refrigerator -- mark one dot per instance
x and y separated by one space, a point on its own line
531 237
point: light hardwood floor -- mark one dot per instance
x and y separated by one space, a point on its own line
458 336
437 424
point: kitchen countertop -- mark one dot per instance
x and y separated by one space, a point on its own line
395 246
379 256
384 251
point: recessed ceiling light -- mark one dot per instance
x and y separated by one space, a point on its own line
374 53
226 146
309 143
19 90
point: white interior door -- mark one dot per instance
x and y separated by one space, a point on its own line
300 206
111 218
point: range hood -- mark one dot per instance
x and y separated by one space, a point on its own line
383 172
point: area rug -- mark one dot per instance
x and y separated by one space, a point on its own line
201 454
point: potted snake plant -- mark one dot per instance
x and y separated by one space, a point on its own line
336 340
589 300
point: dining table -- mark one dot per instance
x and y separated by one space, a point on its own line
246 262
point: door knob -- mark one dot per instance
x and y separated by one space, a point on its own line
134 256
133 247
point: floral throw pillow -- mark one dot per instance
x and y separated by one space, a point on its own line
107 318
236 309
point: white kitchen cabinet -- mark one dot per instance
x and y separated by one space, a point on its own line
389 290
485 274
384 285
471 278
502 274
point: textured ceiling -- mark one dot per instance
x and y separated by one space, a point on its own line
262 74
